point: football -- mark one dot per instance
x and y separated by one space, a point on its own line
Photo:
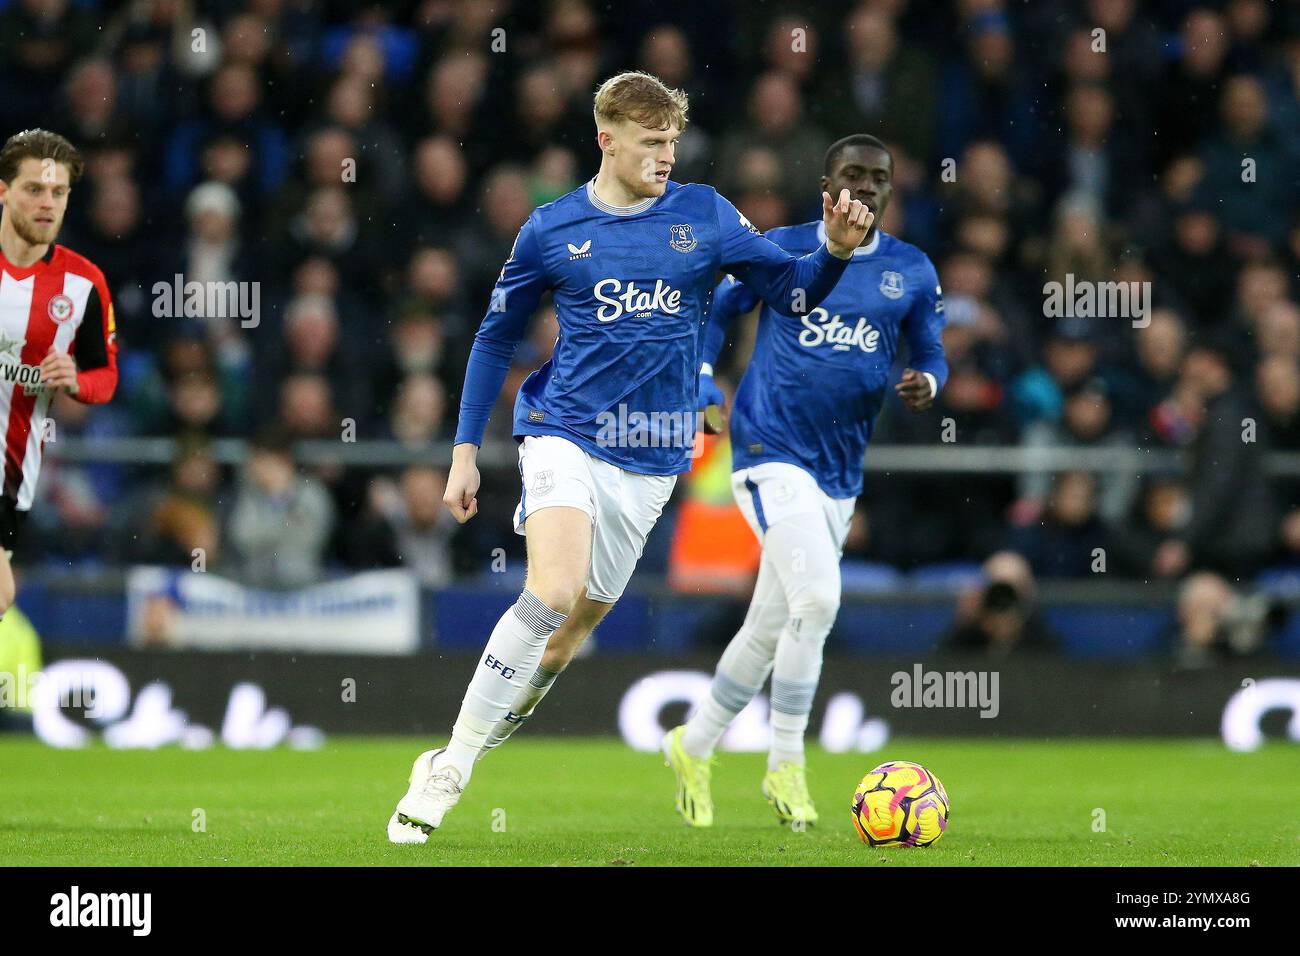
900 803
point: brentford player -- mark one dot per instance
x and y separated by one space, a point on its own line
56 320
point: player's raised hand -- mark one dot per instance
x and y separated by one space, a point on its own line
914 389
462 483
847 223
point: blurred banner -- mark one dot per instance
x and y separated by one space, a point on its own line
861 705
377 612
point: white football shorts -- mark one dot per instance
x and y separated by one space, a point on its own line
623 506
776 491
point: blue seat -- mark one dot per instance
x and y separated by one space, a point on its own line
947 576
1288 641
1283 580
899 628
1108 631
869 577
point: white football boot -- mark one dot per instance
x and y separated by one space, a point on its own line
429 797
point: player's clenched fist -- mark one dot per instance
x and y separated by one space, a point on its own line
915 391
847 223
58 370
462 483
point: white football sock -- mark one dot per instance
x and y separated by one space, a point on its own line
743 668
789 719
811 583
508 662
522 708
796 598
725 700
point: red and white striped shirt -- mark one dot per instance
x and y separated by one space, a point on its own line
60 300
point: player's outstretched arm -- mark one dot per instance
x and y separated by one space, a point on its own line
514 300
791 285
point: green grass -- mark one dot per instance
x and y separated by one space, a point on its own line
595 802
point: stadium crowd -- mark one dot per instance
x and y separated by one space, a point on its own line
368 165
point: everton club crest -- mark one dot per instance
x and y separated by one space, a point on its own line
683 240
891 285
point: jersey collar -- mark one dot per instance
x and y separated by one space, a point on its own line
613 210
23 272
866 250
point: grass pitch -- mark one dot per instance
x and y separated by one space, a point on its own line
540 801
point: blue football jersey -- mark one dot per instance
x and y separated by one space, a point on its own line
815 384
631 287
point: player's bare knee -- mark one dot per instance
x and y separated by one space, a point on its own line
558 592
566 641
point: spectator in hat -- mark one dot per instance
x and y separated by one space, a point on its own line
215 255
1070 357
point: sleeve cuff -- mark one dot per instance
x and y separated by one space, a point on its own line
825 252
934 384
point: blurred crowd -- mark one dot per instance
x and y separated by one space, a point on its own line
370 164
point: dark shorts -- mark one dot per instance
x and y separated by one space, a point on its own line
11 524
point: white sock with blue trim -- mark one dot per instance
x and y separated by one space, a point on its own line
521 709
509 661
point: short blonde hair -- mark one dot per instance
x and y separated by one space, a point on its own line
641 98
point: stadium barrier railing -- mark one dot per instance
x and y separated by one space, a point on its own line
956 459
